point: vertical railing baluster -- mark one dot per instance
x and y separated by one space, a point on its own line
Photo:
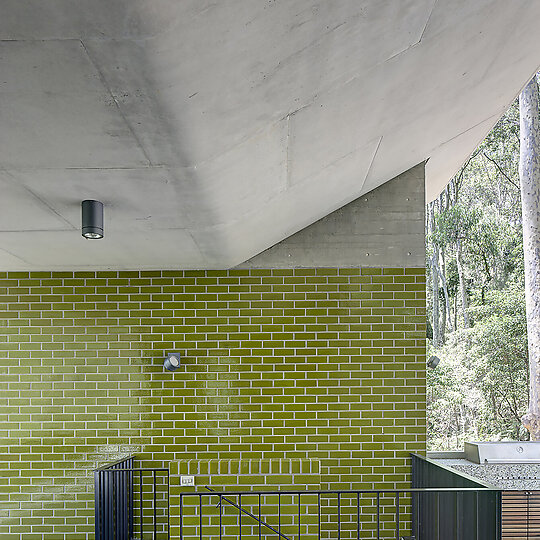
378 515
200 518
155 505
168 511
96 507
100 525
126 502
108 510
319 515
102 505
299 529
113 504
106 499
118 504
121 507
397 515
132 502
99 536
279 514
131 494
358 515
107 504
338 516
123 503
129 497
96 504
240 517
220 514
181 517
259 516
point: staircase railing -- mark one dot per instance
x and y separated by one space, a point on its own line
338 514
261 522
131 503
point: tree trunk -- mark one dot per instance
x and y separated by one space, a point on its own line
457 426
442 328
529 174
442 275
455 311
435 282
462 286
447 313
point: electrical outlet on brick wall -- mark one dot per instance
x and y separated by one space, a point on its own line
187 481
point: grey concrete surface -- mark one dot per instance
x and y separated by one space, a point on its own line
383 228
511 476
214 130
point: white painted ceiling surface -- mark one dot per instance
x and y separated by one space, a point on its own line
213 129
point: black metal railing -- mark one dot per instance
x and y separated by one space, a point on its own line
261 522
316 515
131 503
114 500
471 512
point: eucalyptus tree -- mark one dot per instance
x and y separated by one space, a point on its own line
476 295
529 172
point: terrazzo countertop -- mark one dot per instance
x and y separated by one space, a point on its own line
509 476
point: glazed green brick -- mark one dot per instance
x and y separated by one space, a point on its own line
308 377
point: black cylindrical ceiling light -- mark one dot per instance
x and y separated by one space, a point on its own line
92 219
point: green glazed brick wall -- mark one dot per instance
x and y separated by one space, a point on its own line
324 367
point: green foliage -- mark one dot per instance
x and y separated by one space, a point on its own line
455 223
499 348
453 398
480 388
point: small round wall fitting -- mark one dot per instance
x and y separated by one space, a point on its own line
92 219
172 361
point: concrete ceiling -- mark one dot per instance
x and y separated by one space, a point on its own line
213 129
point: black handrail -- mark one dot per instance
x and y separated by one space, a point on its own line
115 464
341 491
248 513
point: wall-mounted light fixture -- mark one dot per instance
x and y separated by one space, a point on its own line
433 362
92 219
172 361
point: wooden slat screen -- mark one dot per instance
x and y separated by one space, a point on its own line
521 515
